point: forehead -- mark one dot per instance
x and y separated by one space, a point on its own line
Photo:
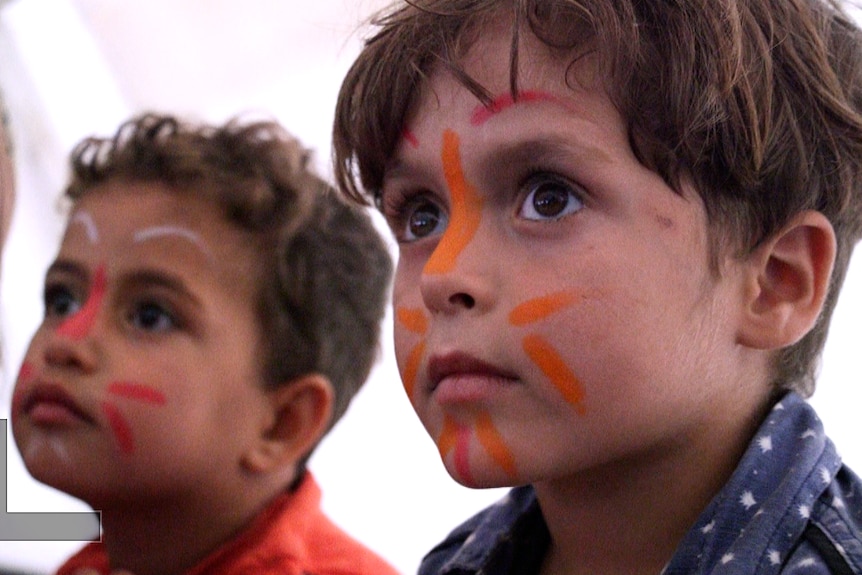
122 220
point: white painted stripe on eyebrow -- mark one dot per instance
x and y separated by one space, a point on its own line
85 219
162 231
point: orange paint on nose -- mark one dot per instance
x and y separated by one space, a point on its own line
413 320
411 369
466 209
555 369
541 307
494 444
78 325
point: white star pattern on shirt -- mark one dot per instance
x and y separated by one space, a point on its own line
804 511
765 443
748 500
807 562
837 503
808 433
726 558
774 557
825 475
708 527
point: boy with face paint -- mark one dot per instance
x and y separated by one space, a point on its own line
212 310
622 227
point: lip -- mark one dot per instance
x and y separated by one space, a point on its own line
462 378
49 404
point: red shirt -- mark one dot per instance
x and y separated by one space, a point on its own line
292 536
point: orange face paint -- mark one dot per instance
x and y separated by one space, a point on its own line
413 320
494 445
78 325
483 112
466 210
411 368
552 365
448 435
541 307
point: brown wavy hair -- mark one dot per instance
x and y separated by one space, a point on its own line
325 270
758 103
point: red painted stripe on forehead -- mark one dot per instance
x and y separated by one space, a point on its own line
78 325
482 113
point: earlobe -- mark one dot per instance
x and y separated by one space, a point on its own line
299 415
788 280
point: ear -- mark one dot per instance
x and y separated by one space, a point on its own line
299 415
788 277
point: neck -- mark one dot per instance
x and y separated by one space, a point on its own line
629 516
171 537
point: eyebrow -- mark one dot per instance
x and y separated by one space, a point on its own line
483 112
173 231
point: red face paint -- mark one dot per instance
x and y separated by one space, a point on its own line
411 369
462 456
78 325
410 138
483 112
120 427
137 391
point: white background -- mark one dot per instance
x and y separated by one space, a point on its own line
70 68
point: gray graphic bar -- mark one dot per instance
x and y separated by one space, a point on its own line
71 526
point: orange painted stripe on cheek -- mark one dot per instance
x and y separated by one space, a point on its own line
555 369
78 325
494 444
413 319
466 210
411 369
541 307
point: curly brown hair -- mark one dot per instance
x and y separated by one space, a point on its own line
325 270
757 102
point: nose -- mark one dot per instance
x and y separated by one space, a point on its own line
466 279
62 351
71 344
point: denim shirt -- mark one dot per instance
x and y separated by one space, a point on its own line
790 507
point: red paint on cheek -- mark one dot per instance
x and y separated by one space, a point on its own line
120 427
466 210
137 391
78 325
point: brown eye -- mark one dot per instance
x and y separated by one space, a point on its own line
424 219
549 197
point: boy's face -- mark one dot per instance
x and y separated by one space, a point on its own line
555 308
144 379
